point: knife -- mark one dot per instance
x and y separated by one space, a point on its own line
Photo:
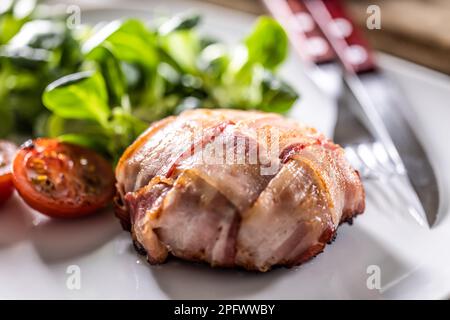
385 109
324 69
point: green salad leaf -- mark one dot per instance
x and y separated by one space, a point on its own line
101 86
13 15
278 96
82 114
267 44
243 77
129 40
113 73
40 51
80 95
181 22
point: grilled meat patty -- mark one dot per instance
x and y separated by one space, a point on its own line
235 188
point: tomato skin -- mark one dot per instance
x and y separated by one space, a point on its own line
53 205
6 187
7 151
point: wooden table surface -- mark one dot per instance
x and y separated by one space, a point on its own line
416 30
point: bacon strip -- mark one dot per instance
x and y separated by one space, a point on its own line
234 212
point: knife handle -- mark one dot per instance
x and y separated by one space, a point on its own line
304 33
347 41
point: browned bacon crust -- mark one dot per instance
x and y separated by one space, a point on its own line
229 213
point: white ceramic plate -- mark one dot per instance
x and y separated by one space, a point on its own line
37 254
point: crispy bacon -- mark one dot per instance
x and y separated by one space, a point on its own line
233 212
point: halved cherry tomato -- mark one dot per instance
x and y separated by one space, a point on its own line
7 152
62 180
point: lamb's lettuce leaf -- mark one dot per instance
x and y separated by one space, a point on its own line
101 86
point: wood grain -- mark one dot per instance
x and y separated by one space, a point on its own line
417 30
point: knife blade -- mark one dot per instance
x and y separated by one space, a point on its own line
385 110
